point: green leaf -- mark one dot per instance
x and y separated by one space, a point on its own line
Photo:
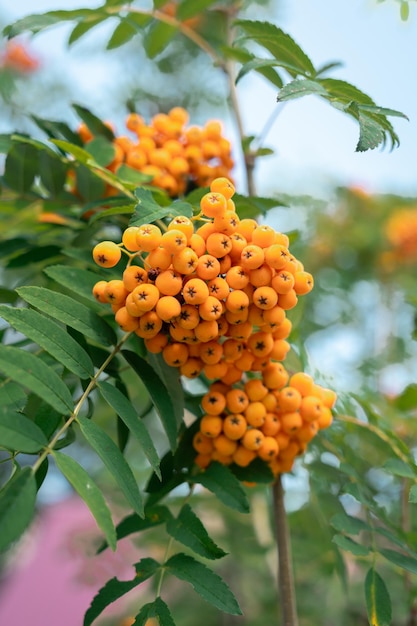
102 150
348 524
147 210
81 155
265 68
90 493
115 462
220 480
401 560
12 396
400 468
83 27
378 602
253 206
158 393
348 544
115 588
123 209
31 372
371 134
124 32
53 173
343 91
51 337
257 471
172 381
381 110
404 10
21 167
407 400
190 8
75 279
130 175
299 88
157 609
124 409
157 38
57 130
282 47
18 433
70 312
93 122
205 582
261 64
189 530
32 23
88 184
413 494
17 506
154 516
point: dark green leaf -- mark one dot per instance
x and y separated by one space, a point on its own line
115 462
115 589
348 524
282 47
243 56
401 560
154 516
124 409
93 122
88 184
343 91
205 582
75 279
53 173
189 8
400 468
17 506
189 530
157 38
123 209
348 544
157 609
253 206
101 150
70 312
41 473
407 400
51 337
147 210
90 493
220 480
36 254
8 296
158 392
57 130
378 602
31 372
257 471
172 381
21 167
299 88
18 433
124 32
261 64
12 396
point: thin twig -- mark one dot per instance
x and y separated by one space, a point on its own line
285 570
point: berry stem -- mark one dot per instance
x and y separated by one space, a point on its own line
285 571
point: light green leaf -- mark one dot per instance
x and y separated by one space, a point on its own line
51 337
299 88
124 32
18 433
93 122
70 312
378 602
348 544
81 155
400 468
413 495
158 37
115 462
31 372
102 150
220 480
266 69
190 531
129 416
147 210
32 23
190 8
371 134
381 110
83 27
17 506
158 393
401 560
348 524
90 493
404 10
115 588
407 400
205 582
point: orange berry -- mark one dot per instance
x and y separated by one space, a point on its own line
218 244
255 389
226 223
211 352
289 399
225 263
283 281
169 282
195 291
202 444
307 432
168 308
222 185
238 243
203 460
159 259
246 228
303 283
127 322
175 354
265 298
232 376
134 276
269 449
261 277
148 237
280 350
243 457
219 288
137 158
185 261
245 361
224 445
145 296
311 408
234 426
107 254
276 256
189 317
255 414
236 401
182 223
134 121
178 114
271 425
288 300
263 236
213 402
115 292
253 439
283 330
325 419
208 267
213 204
260 344
275 376
156 344
173 241
241 331
237 301
303 382
150 324
211 425
191 368
252 257
291 422
99 291
206 330
198 244
237 277
210 309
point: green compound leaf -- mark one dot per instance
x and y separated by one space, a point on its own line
348 544
158 393
17 506
157 609
115 462
189 530
300 87
90 493
70 312
282 47
348 524
124 409
18 433
154 516
51 337
205 582
401 560
378 602
31 372
220 481
148 210
115 588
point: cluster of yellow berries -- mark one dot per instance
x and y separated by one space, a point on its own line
401 232
213 300
173 154
272 417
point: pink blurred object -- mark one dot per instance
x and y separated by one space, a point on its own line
53 573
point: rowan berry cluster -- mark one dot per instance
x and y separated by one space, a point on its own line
401 232
173 154
272 417
213 300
